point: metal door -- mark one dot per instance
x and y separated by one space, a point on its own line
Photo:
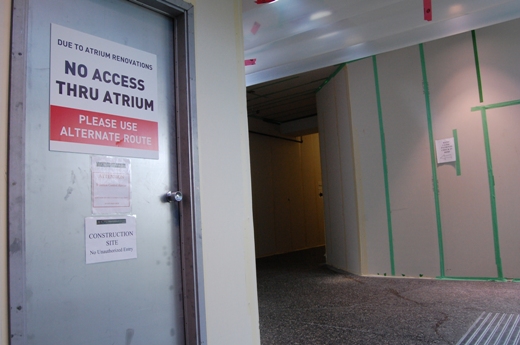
57 297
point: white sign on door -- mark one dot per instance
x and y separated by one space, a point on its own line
103 96
110 239
111 185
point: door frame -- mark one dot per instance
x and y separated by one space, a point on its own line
182 14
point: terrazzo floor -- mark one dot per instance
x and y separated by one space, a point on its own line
302 301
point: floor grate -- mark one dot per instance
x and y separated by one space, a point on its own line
493 329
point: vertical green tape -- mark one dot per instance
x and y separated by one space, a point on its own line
385 168
477 65
456 141
432 156
492 196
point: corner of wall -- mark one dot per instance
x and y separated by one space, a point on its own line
225 178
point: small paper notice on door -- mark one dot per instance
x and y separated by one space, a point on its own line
110 239
111 187
445 150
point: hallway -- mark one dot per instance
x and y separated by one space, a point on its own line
303 302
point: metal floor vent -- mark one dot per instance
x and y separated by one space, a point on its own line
493 329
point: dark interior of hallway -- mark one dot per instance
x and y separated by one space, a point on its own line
304 302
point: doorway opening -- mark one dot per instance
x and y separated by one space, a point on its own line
287 194
286 173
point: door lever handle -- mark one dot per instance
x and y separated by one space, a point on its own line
173 196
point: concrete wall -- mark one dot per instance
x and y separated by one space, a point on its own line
287 208
456 235
225 181
5 38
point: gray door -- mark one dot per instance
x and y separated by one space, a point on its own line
62 299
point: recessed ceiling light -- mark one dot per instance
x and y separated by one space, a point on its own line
456 9
321 14
330 34
260 2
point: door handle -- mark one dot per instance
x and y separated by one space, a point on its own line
173 196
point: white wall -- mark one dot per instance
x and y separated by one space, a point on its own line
5 31
225 181
468 248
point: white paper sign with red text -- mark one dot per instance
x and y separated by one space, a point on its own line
103 96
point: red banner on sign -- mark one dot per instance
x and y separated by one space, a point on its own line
427 4
87 127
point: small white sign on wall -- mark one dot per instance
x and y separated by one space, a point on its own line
110 239
445 150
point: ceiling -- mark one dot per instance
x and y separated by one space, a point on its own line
290 38
287 99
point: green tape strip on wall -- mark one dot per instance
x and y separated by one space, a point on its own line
433 163
385 167
477 65
485 279
336 71
492 195
457 154
496 105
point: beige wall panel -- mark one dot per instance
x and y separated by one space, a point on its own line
323 160
289 212
262 189
498 47
465 206
286 205
313 203
505 152
365 124
409 166
332 178
282 210
346 158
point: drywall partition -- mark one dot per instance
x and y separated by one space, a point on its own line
286 181
335 232
225 187
420 218
5 34
503 124
408 159
377 225
464 198
498 50
337 154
